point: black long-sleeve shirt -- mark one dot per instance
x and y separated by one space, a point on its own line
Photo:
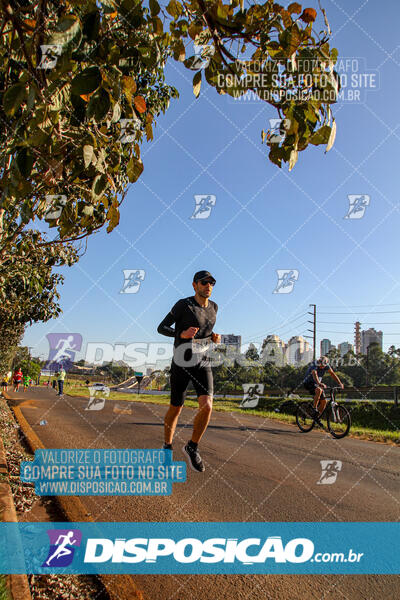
189 313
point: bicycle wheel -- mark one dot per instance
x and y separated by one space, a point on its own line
304 419
338 421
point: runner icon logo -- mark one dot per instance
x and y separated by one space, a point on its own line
55 204
251 394
50 54
204 204
132 280
61 552
63 347
330 470
98 394
129 127
277 131
357 205
286 280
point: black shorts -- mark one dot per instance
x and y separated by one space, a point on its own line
311 386
201 377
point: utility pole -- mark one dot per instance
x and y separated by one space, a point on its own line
314 329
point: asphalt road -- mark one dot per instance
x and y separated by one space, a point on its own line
256 470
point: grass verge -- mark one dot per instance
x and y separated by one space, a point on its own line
373 421
4 594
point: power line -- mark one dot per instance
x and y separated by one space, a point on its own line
350 332
383 312
357 305
362 323
278 327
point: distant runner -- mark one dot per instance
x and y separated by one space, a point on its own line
17 379
194 319
27 379
313 382
4 382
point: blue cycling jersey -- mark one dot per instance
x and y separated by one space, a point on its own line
314 366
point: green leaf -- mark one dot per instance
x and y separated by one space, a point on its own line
108 6
99 185
129 86
321 136
332 137
174 8
13 98
294 155
275 156
86 82
112 217
67 28
197 84
99 105
88 210
179 51
294 7
25 162
88 152
91 25
134 169
154 8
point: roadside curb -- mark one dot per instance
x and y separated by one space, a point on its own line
17 585
119 587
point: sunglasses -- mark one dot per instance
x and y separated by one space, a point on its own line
205 281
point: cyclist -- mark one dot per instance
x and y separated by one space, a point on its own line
194 319
313 383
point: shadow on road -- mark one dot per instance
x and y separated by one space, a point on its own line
222 427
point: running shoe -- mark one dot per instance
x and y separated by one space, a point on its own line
194 458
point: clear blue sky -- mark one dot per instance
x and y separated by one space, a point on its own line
264 218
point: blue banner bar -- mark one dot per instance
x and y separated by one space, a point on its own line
200 548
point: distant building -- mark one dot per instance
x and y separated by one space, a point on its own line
357 337
370 336
326 345
234 341
274 350
298 351
345 347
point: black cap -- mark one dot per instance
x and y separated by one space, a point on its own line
202 275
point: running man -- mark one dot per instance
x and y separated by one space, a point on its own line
62 542
26 383
313 383
17 379
194 319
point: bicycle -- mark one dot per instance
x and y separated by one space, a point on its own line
337 416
